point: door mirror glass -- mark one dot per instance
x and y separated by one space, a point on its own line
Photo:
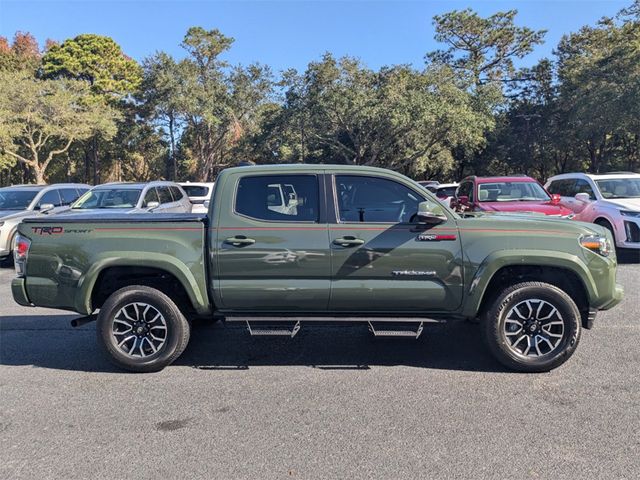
430 213
152 205
582 197
45 207
555 199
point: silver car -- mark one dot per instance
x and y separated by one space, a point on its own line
150 197
611 200
23 201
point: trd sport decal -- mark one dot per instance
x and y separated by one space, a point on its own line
434 237
48 230
58 230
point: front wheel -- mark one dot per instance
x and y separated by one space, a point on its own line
533 327
141 329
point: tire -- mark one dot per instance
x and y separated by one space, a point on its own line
158 332
522 308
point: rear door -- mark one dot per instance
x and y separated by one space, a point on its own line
271 246
381 260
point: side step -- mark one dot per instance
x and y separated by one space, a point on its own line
390 330
284 329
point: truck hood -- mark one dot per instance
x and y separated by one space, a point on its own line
523 222
623 203
545 208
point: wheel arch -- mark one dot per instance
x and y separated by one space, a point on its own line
502 269
106 277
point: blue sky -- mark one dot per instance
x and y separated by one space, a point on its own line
287 34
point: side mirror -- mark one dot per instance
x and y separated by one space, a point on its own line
206 204
555 199
46 207
463 200
430 213
151 206
583 197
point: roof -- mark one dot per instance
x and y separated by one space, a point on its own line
511 179
595 176
32 187
155 183
307 167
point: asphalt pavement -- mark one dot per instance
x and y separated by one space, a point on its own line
331 403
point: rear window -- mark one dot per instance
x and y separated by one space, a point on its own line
278 198
196 190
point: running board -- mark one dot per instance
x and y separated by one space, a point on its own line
394 331
273 331
238 317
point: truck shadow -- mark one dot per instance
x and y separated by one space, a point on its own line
49 342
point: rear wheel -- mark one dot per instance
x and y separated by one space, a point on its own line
141 329
533 327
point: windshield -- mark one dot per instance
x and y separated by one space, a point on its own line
619 187
108 198
16 199
511 192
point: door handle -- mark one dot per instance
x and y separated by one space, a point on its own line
348 241
239 241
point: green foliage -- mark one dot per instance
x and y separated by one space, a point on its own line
95 59
40 119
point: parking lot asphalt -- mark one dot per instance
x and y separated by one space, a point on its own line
331 403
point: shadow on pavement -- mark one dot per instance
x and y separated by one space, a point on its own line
49 342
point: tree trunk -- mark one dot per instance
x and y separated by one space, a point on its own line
39 172
96 160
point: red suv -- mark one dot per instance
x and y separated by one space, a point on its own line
506 194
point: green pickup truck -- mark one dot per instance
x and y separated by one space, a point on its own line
289 245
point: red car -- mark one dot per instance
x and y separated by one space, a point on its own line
507 194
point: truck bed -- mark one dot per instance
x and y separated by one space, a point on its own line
74 251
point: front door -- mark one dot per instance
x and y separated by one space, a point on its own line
272 246
381 259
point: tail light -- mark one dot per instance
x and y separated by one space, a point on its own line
20 254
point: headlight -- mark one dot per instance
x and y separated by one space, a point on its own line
597 244
626 213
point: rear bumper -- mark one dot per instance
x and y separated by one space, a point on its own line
19 292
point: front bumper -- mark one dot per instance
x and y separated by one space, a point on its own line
616 298
19 292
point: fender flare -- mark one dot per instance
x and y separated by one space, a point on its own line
534 258
159 261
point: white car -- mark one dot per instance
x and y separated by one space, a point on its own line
611 200
120 197
445 192
199 195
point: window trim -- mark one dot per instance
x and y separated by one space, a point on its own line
336 208
320 190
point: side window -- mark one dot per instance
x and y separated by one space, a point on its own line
374 199
150 196
164 194
69 195
466 190
52 197
278 198
582 186
564 188
176 193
